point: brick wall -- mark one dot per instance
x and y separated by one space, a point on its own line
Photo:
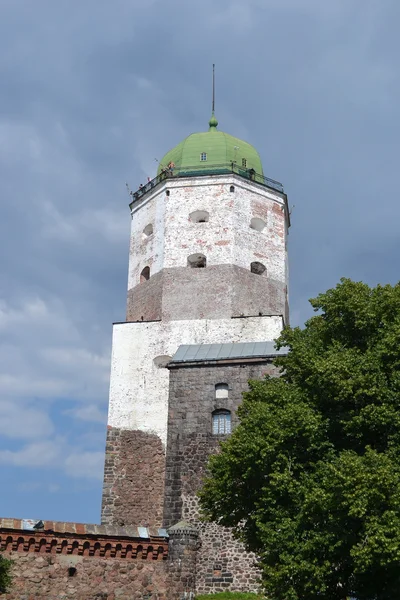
222 562
133 488
86 562
97 562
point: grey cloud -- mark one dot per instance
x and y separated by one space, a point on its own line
93 92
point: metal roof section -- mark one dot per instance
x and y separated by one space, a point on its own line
208 352
131 531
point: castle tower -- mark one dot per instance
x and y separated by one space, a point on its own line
207 265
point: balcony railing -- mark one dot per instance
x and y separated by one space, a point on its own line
202 171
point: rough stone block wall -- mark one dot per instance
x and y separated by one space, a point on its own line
184 293
38 576
134 471
88 562
222 562
144 300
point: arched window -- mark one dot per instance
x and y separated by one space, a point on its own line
257 224
145 274
257 268
197 261
221 390
148 230
167 193
221 422
232 189
199 216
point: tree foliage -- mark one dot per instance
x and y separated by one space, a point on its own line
229 596
5 575
310 479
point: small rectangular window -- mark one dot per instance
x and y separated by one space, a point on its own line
244 162
203 156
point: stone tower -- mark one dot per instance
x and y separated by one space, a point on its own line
207 265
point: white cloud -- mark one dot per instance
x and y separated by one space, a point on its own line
89 412
24 421
45 355
56 454
41 454
85 464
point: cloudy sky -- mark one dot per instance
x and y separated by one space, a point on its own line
92 91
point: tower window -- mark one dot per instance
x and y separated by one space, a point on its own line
257 268
257 224
145 274
203 156
148 230
244 162
221 422
199 216
197 261
232 189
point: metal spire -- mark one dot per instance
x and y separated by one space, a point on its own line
213 123
213 90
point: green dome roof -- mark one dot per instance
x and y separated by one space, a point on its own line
212 148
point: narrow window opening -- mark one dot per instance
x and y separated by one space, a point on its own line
145 274
244 162
221 390
203 156
197 261
71 571
221 422
232 189
257 224
199 216
257 268
167 193
148 230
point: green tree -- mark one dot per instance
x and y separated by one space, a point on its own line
310 479
5 575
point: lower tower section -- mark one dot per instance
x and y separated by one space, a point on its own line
140 409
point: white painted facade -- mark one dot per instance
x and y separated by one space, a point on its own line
227 237
139 388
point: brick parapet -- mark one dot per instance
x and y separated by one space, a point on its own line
81 539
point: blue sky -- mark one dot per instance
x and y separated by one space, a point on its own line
91 93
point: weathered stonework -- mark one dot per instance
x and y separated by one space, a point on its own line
134 471
227 238
139 386
235 223
222 562
181 293
87 562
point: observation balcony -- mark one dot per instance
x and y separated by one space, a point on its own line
206 171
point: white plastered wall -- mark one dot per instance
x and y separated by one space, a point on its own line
225 239
139 389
